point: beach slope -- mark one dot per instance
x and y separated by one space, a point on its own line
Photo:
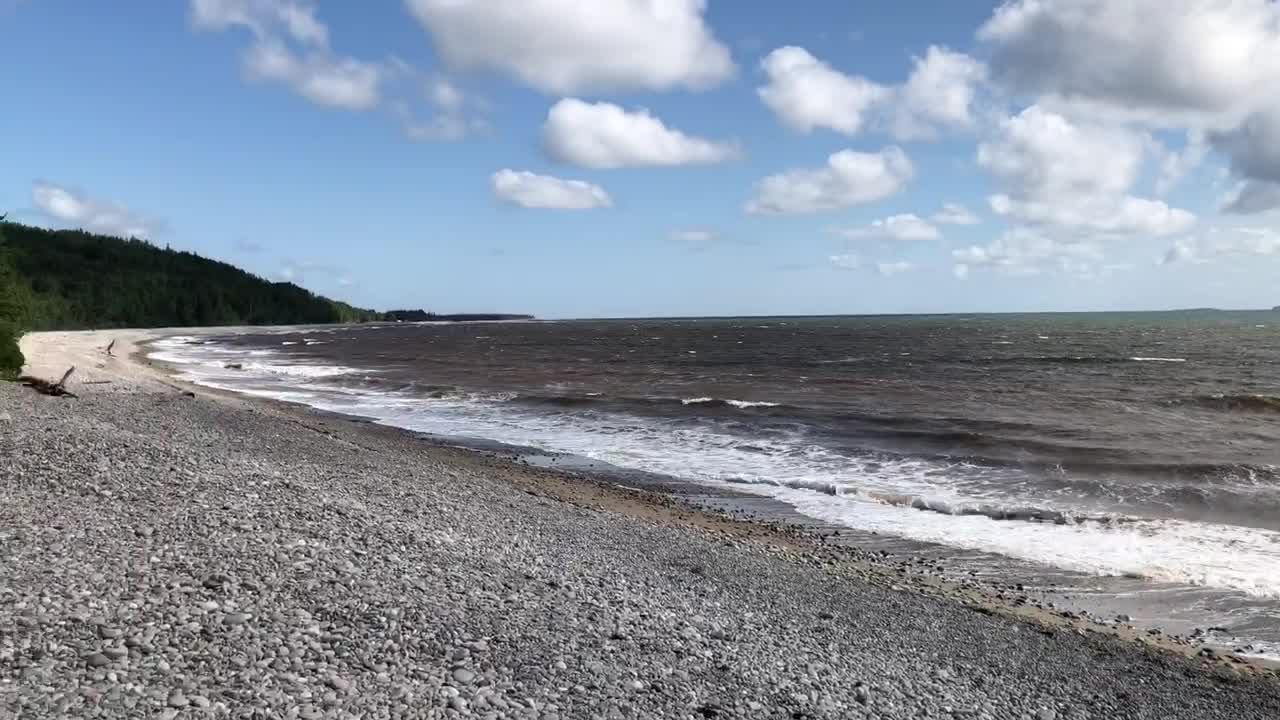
168 552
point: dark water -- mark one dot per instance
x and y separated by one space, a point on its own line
1140 445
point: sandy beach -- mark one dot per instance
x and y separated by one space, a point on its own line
171 551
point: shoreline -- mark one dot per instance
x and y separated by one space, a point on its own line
667 501
796 548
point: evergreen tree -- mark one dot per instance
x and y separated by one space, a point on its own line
13 306
70 279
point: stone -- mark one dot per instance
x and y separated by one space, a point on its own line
97 660
177 699
463 676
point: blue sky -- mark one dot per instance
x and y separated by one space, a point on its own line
660 157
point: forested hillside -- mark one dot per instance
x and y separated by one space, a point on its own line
70 279
12 309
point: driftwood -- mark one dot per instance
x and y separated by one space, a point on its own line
44 387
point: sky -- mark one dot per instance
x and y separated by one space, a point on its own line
667 157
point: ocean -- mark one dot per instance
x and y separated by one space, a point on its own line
1140 447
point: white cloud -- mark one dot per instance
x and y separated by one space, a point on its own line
1254 151
694 236
1221 242
604 135
1253 196
846 261
296 17
528 190
297 271
450 114
75 208
322 78
888 269
1175 165
568 47
1074 176
849 178
955 214
961 271
1189 64
807 93
1022 251
1164 61
896 227
939 92
314 71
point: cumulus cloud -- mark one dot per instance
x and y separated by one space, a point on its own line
1075 176
71 207
939 93
955 214
1160 63
322 78
1253 196
888 269
569 47
528 190
1254 151
291 47
1022 251
449 113
846 261
1159 60
849 178
604 135
1224 242
896 227
807 93
263 17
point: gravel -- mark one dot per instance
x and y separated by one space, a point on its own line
172 556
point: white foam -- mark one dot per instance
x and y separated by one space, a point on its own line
1158 359
751 403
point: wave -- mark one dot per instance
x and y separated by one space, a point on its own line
730 403
1233 403
1158 359
910 496
957 508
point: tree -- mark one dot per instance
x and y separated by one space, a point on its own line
12 309
74 279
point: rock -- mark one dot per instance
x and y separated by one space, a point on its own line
339 684
1047 714
177 699
463 676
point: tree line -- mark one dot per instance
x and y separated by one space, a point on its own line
12 309
76 280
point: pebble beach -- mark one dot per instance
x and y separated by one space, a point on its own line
167 551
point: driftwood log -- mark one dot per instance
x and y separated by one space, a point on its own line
44 387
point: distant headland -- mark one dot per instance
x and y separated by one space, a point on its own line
424 316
